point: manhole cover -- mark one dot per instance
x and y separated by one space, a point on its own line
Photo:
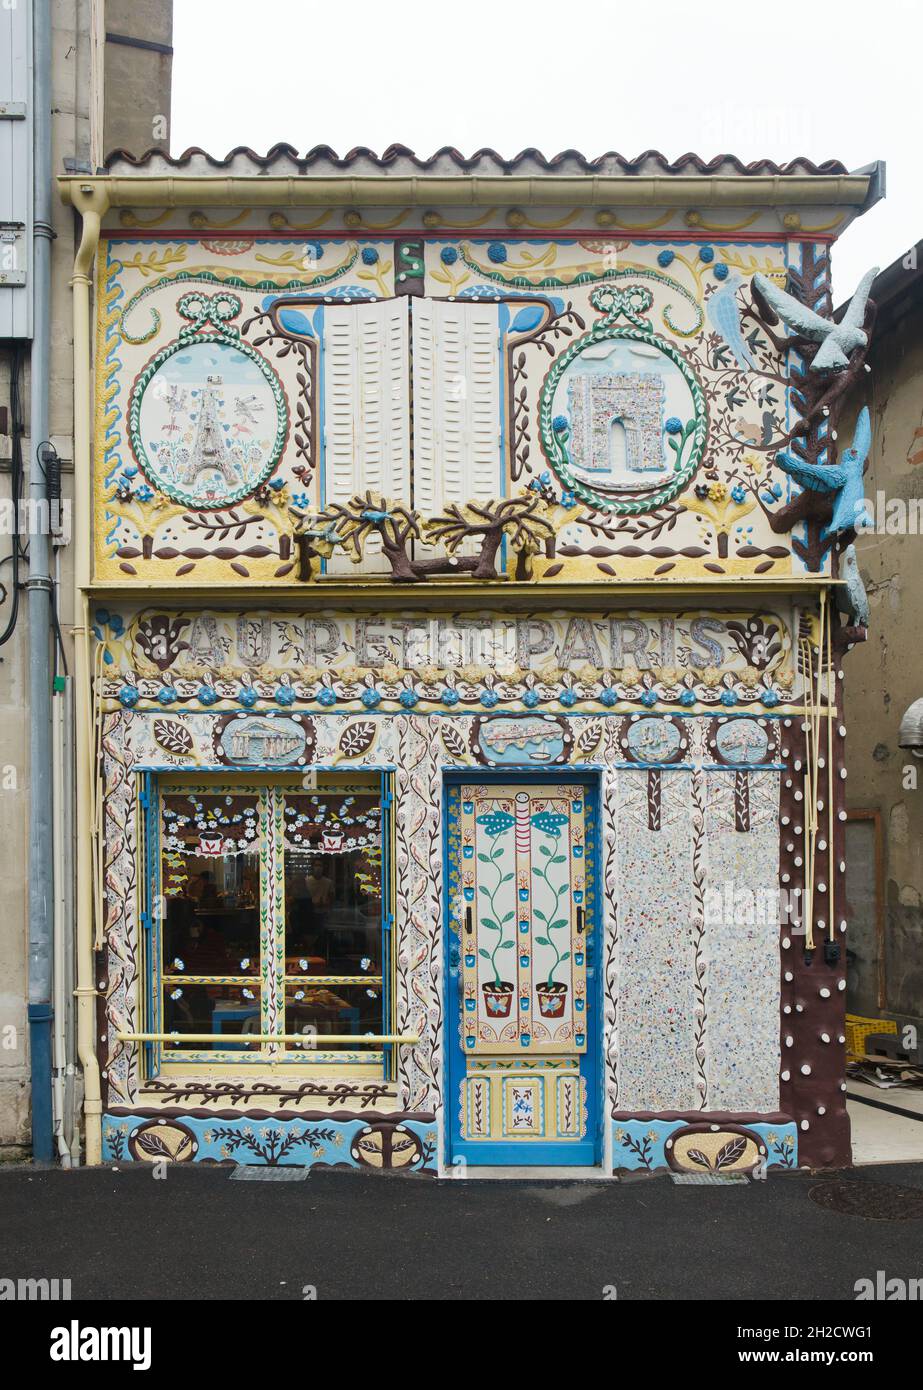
876 1201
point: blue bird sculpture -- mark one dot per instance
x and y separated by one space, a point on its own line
837 340
843 478
724 315
853 601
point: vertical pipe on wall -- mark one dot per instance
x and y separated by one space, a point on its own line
39 586
59 974
90 206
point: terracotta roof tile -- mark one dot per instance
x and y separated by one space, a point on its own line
398 159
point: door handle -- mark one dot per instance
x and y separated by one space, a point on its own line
580 921
469 928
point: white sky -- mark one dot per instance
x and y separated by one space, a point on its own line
671 75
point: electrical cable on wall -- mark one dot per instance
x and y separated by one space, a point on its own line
17 429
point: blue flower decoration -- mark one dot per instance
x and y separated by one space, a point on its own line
728 697
560 423
301 500
739 493
609 696
144 493
128 696
674 425
285 695
687 697
208 695
117 624
370 698
369 255
448 255
408 699
248 696
707 254
568 500
649 698
568 698
496 252
489 698
665 258
770 698
326 697
721 271
449 696
101 616
166 695
531 699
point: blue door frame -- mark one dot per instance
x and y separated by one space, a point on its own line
585 1152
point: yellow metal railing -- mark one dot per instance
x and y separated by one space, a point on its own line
306 1039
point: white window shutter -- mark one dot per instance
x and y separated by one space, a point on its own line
366 410
456 405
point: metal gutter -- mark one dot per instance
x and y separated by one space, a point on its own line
782 190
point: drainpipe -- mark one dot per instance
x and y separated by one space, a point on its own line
39 587
91 204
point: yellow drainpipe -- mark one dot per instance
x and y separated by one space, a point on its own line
92 206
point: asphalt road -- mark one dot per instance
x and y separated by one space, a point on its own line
198 1235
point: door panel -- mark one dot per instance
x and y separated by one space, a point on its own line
521 976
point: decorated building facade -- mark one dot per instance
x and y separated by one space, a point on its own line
462 741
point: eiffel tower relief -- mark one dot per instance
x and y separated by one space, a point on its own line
210 449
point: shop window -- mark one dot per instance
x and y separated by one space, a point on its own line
268 924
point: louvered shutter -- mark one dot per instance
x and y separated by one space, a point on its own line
366 410
456 405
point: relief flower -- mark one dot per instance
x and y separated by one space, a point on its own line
497 252
448 255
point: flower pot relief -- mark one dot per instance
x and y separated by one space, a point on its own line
551 998
498 996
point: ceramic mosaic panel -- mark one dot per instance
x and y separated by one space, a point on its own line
742 944
249 385
507 1102
724 658
717 1147
662 824
657 978
522 918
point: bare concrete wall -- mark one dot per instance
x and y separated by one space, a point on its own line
137 78
885 675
